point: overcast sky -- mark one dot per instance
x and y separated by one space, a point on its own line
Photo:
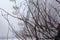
7 5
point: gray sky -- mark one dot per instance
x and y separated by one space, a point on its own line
7 5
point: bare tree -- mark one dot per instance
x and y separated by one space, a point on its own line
38 22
